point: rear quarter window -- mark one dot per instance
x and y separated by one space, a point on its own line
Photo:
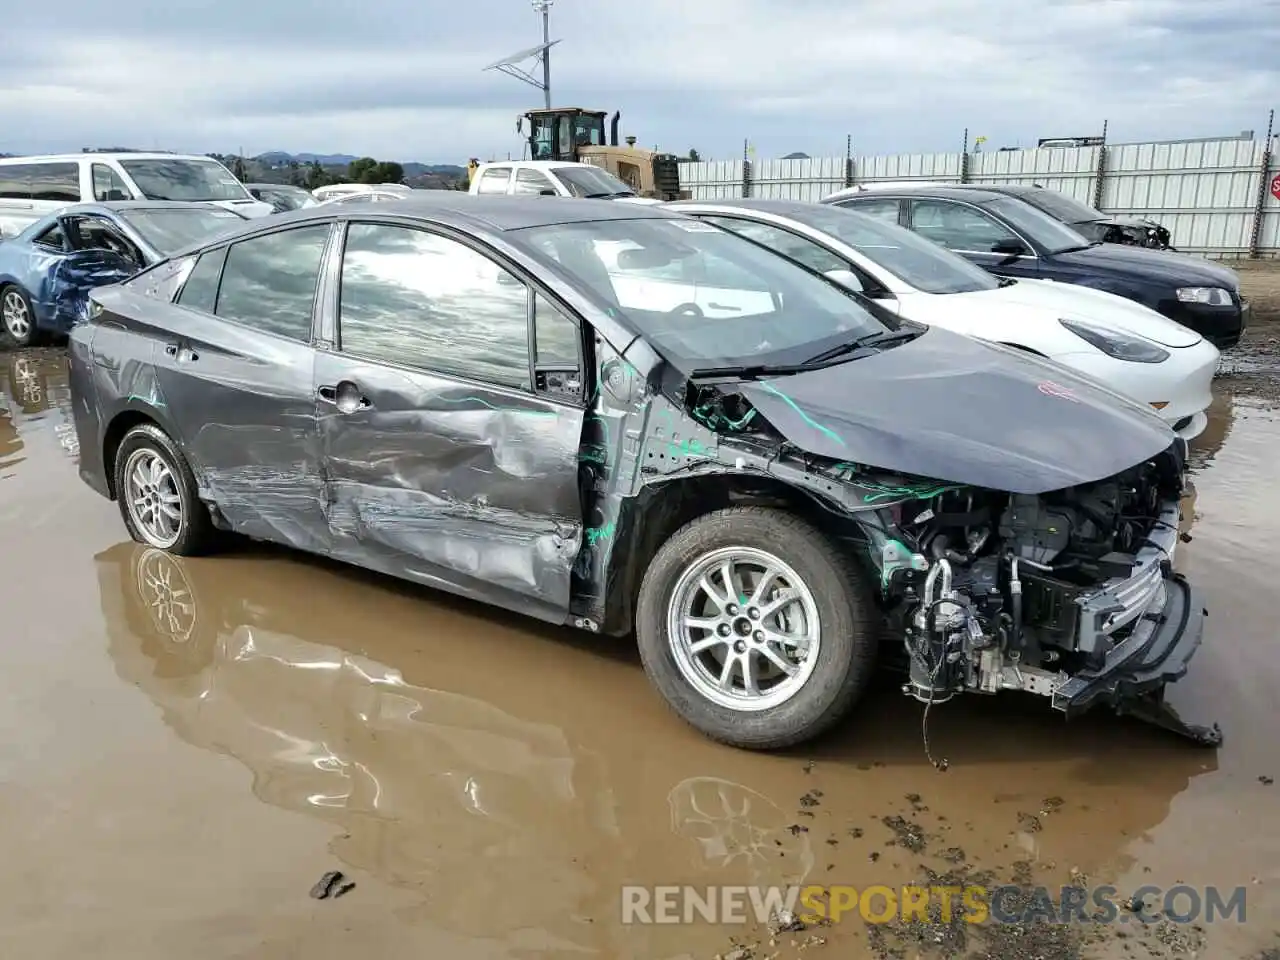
163 280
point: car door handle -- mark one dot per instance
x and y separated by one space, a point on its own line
345 395
182 352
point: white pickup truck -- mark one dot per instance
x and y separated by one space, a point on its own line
551 178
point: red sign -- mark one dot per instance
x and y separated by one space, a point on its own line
1275 186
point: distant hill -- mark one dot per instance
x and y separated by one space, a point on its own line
280 166
279 158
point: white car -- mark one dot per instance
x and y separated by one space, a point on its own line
552 178
1132 350
335 190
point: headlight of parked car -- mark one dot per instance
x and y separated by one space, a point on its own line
1214 296
1121 346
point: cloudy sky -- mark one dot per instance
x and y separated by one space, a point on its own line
403 80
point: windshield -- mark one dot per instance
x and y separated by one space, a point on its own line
1053 235
588 181
1060 206
180 179
703 294
171 230
913 259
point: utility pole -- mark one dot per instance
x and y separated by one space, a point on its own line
544 7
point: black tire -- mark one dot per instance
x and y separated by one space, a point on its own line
196 533
34 335
849 622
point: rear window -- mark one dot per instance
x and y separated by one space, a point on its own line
180 178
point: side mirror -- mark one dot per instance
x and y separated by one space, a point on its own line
547 192
846 278
1011 248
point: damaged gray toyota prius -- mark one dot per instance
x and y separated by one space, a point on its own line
615 417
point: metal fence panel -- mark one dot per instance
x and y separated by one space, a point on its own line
1204 192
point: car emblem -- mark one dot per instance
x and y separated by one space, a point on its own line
1051 389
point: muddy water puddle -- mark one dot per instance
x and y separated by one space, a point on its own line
193 744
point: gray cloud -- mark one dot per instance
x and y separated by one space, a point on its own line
406 82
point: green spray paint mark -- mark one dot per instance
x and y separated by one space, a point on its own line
804 416
481 400
596 534
688 448
907 492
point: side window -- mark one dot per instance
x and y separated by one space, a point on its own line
52 238
531 182
886 210
107 184
557 335
494 180
419 299
200 292
269 282
957 226
56 181
802 250
15 181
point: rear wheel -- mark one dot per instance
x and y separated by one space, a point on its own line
157 495
756 629
17 317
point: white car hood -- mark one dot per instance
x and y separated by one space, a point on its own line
645 200
1071 301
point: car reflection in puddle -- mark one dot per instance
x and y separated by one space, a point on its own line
503 826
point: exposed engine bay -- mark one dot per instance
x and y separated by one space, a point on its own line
1068 594
1058 594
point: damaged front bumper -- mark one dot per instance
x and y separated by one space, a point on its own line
1167 616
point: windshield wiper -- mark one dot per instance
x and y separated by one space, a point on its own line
879 339
1006 281
749 371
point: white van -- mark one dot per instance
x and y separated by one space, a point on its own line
33 187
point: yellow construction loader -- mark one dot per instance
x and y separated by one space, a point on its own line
575 135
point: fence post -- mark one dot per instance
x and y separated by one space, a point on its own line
964 158
1260 201
1100 173
746 169
848 161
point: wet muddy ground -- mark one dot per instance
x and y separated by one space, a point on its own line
191 746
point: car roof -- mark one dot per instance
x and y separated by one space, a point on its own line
780 207
457 209
124 206
104 154
974 193
538 164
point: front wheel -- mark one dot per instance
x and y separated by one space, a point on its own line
756 629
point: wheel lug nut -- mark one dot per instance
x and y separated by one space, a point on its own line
723 629
753 613
732 609
759 636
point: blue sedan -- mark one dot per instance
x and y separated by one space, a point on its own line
47 271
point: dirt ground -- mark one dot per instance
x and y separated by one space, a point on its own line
192 745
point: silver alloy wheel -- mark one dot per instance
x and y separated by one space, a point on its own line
17 319
743 629
152 498
164 591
